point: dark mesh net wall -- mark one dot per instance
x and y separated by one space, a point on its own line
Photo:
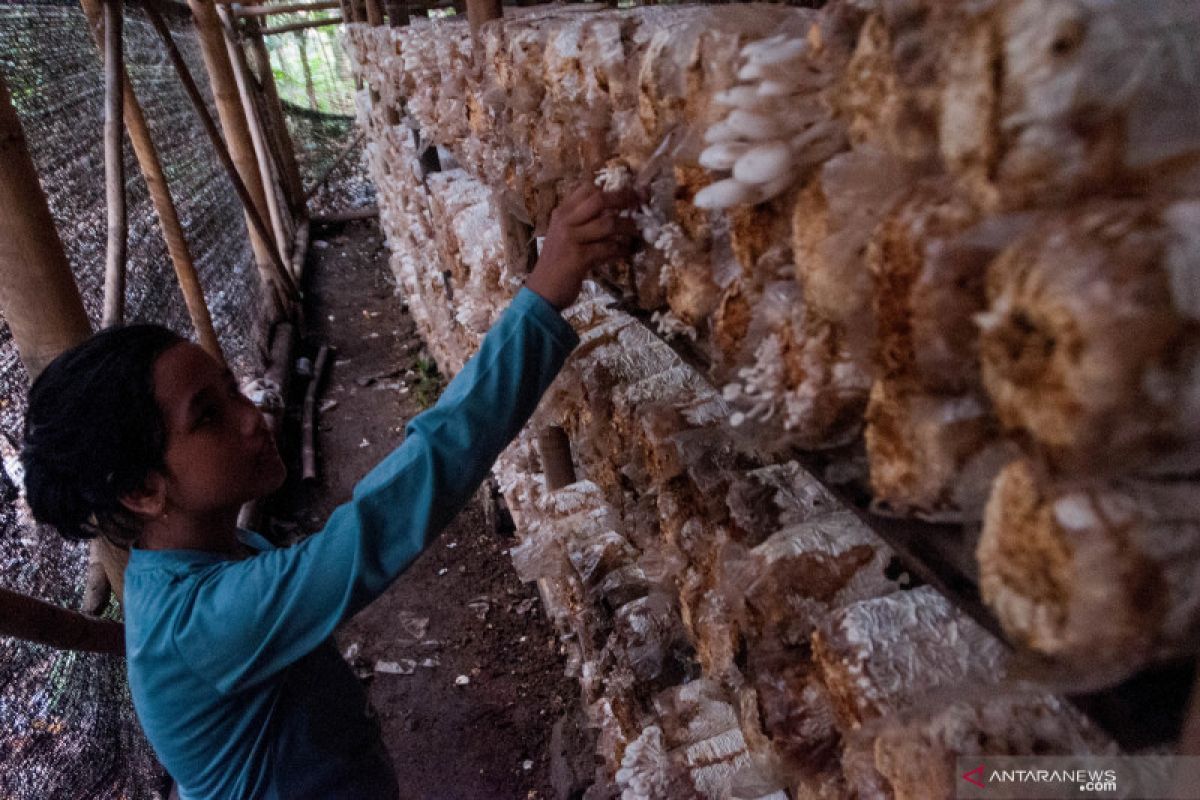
313 77
68 726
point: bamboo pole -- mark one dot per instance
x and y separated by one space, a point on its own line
374 13
308 424
240 153
480 11
277 283
288 8
241 77
289 170
114 165
164 205
299 26
38 295
397 13
555 450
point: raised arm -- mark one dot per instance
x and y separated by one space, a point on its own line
270 610
35 620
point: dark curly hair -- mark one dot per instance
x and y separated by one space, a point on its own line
94 432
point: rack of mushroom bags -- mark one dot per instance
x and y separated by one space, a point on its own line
883 439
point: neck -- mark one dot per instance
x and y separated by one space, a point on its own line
213 532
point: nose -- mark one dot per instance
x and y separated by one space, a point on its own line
251 422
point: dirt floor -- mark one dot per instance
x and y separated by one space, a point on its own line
464 669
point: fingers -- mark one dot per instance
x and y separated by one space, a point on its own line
603 252
587 201
605 226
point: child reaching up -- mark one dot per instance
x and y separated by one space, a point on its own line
139 436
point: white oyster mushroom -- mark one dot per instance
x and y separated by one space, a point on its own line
725 193
722 155
720 132
752 125
763 44
764 163
780 53
739 96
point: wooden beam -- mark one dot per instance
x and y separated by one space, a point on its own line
280 290
558 466
299 26
397 13
374 13
262 154
308 419
289 170
114 165
340 217
164 204
285 8
38 295
481 11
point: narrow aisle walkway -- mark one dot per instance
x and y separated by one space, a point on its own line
459 610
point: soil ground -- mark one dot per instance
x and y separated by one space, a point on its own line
459 610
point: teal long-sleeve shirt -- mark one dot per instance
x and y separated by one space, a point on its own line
232 666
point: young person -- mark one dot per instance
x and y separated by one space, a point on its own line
140 436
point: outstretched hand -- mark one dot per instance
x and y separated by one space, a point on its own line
586 230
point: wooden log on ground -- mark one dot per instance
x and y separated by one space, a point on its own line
277 284
114 165
308 425
1098 577
300 250
1090 346
341 217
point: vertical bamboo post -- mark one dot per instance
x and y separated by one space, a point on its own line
277 282
38 295
397 13
164 205
114 165
241 77
374 13
292 184
480 11
237 132
555 450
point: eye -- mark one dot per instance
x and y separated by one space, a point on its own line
207 416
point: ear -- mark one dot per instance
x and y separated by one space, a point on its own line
149 500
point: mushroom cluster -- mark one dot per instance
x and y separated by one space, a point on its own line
776 126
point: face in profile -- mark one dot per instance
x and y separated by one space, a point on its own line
219 453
